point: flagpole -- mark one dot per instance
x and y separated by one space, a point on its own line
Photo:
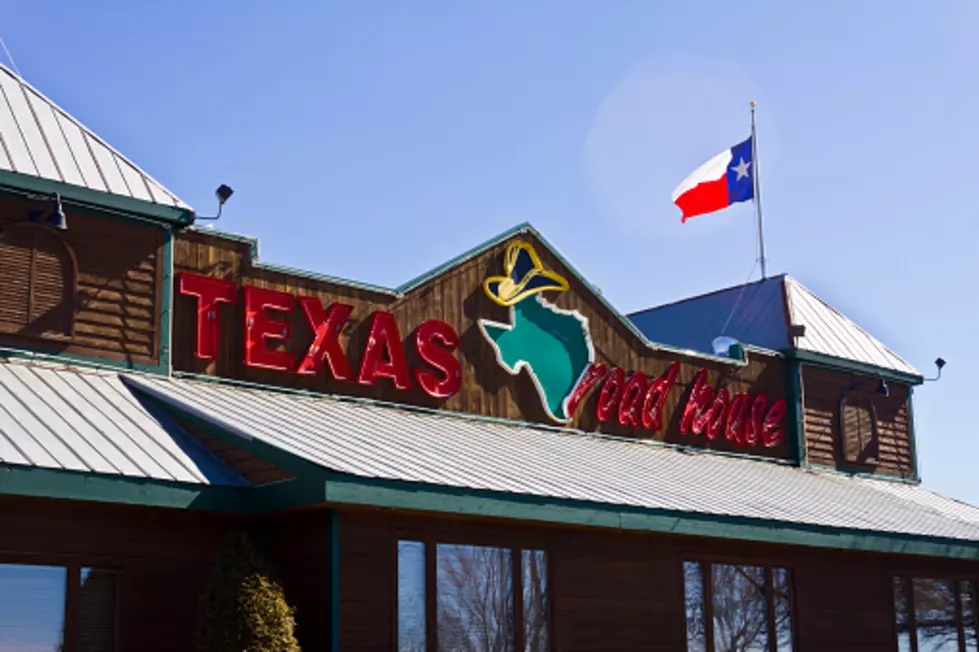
757 193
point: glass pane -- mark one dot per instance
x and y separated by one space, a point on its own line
901 616
475 599
967 595
693 591
535 601
782 592
740 610
934 610
32 607
411 596
97 611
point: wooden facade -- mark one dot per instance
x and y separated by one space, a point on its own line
849 425
93 290
455 297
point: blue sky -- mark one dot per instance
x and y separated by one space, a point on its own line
374 140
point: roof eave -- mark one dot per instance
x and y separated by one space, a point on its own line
852 366
29 185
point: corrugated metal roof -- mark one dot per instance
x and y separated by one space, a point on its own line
374 441
39 138
831 333
753 313
90 421
759 313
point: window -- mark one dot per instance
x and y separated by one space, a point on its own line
935 615
34 601
732 608
96 610
32 607
472 598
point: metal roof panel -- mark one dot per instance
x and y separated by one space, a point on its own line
43 140
387 442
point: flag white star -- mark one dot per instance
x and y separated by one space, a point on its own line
742 169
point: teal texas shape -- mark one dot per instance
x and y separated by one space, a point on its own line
553 344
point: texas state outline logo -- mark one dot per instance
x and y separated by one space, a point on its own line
553 345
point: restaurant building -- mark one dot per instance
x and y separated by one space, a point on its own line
489 457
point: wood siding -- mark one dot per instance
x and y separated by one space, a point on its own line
624 591
164 559
457 298
822 392
107 307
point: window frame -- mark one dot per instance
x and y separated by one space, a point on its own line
707 562
907 581
431 586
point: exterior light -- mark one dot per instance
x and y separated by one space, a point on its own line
223 193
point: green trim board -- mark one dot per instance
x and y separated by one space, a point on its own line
351 490
95 200
913 434
75 485
166 304
796 413
89 361
852 366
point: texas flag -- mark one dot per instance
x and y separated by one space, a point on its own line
718 183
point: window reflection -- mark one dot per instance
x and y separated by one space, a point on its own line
411 596
740 611
475 599
97 611
736 604
782 592
693 581
902 619
967 598
535 599
32 608
935 615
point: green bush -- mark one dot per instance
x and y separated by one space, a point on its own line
244 608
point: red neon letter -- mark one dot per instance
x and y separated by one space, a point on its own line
593 375
659 390
428 337
611 394
698 404
716 414
771 429
259 327
752 429
384 341
327 327
632 396
736 413
209 292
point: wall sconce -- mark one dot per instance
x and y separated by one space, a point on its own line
939 363
223 193
53 216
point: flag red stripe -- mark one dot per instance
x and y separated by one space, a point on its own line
705 197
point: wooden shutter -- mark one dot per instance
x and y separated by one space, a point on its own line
38 276
858 434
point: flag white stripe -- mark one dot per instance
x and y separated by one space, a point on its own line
712 170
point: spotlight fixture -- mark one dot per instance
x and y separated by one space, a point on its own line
882 388
54 216
223 193
939 364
